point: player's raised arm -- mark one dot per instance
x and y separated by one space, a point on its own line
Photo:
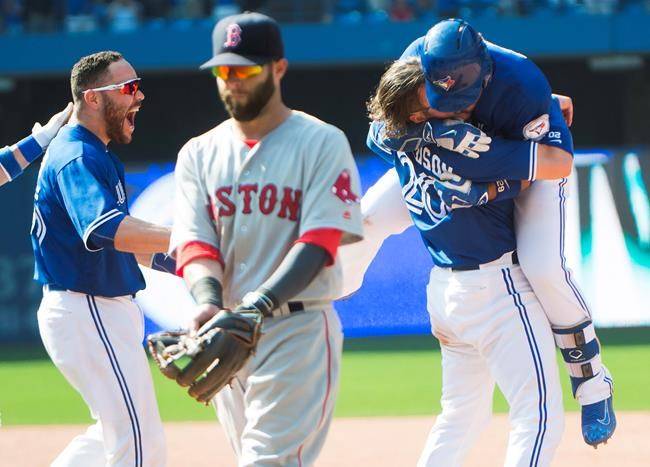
15 158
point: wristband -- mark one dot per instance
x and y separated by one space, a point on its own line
163 262
9 163
263 300
30 148
507 189
207 290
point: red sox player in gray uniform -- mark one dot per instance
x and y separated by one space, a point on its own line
262 203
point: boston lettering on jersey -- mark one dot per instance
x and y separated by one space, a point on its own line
268 199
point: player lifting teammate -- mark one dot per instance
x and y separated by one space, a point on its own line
507 96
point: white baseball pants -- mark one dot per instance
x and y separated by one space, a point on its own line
278 409
494 331
540 225
96 342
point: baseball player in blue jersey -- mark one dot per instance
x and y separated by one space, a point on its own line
490 323
15 158
84 243
509 98
468 79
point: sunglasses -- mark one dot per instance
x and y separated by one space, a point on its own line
241 71
128 88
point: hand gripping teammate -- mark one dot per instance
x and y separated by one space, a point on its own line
262 203
505 94
15 158
84 242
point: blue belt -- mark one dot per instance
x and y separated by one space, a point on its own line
295 306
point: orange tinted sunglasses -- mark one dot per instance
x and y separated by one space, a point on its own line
241 71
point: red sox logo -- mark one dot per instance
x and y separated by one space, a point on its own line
342 188
445 83
233 35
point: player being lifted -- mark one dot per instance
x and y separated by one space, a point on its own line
463 77
15 158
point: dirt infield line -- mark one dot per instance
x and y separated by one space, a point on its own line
377 442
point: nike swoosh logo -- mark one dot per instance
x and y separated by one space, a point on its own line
449 133
555 141
605 419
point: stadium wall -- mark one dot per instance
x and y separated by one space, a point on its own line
330 43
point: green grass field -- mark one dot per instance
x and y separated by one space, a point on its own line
380 376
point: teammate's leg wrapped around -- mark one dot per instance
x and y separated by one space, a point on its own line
541 251
384 214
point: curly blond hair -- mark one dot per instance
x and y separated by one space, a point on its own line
396 96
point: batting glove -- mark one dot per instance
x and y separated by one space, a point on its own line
459 137
456 192
45 134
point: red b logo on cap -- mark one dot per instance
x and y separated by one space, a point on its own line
233 35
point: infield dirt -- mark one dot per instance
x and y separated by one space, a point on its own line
377 442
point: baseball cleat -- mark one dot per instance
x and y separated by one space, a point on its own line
598 422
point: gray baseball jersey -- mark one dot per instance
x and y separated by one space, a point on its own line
253 204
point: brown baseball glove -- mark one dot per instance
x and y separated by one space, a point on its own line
207 361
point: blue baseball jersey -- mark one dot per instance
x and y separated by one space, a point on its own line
78 205
517 109
454 238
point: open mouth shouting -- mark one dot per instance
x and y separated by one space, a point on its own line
129 119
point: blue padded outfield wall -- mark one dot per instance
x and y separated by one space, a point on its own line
608 245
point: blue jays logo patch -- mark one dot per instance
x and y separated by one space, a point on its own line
445 83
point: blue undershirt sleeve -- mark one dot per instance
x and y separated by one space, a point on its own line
506 159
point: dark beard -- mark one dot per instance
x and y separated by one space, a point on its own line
258 99
114 120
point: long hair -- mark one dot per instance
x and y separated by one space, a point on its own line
396 96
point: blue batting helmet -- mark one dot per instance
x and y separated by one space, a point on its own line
456 65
